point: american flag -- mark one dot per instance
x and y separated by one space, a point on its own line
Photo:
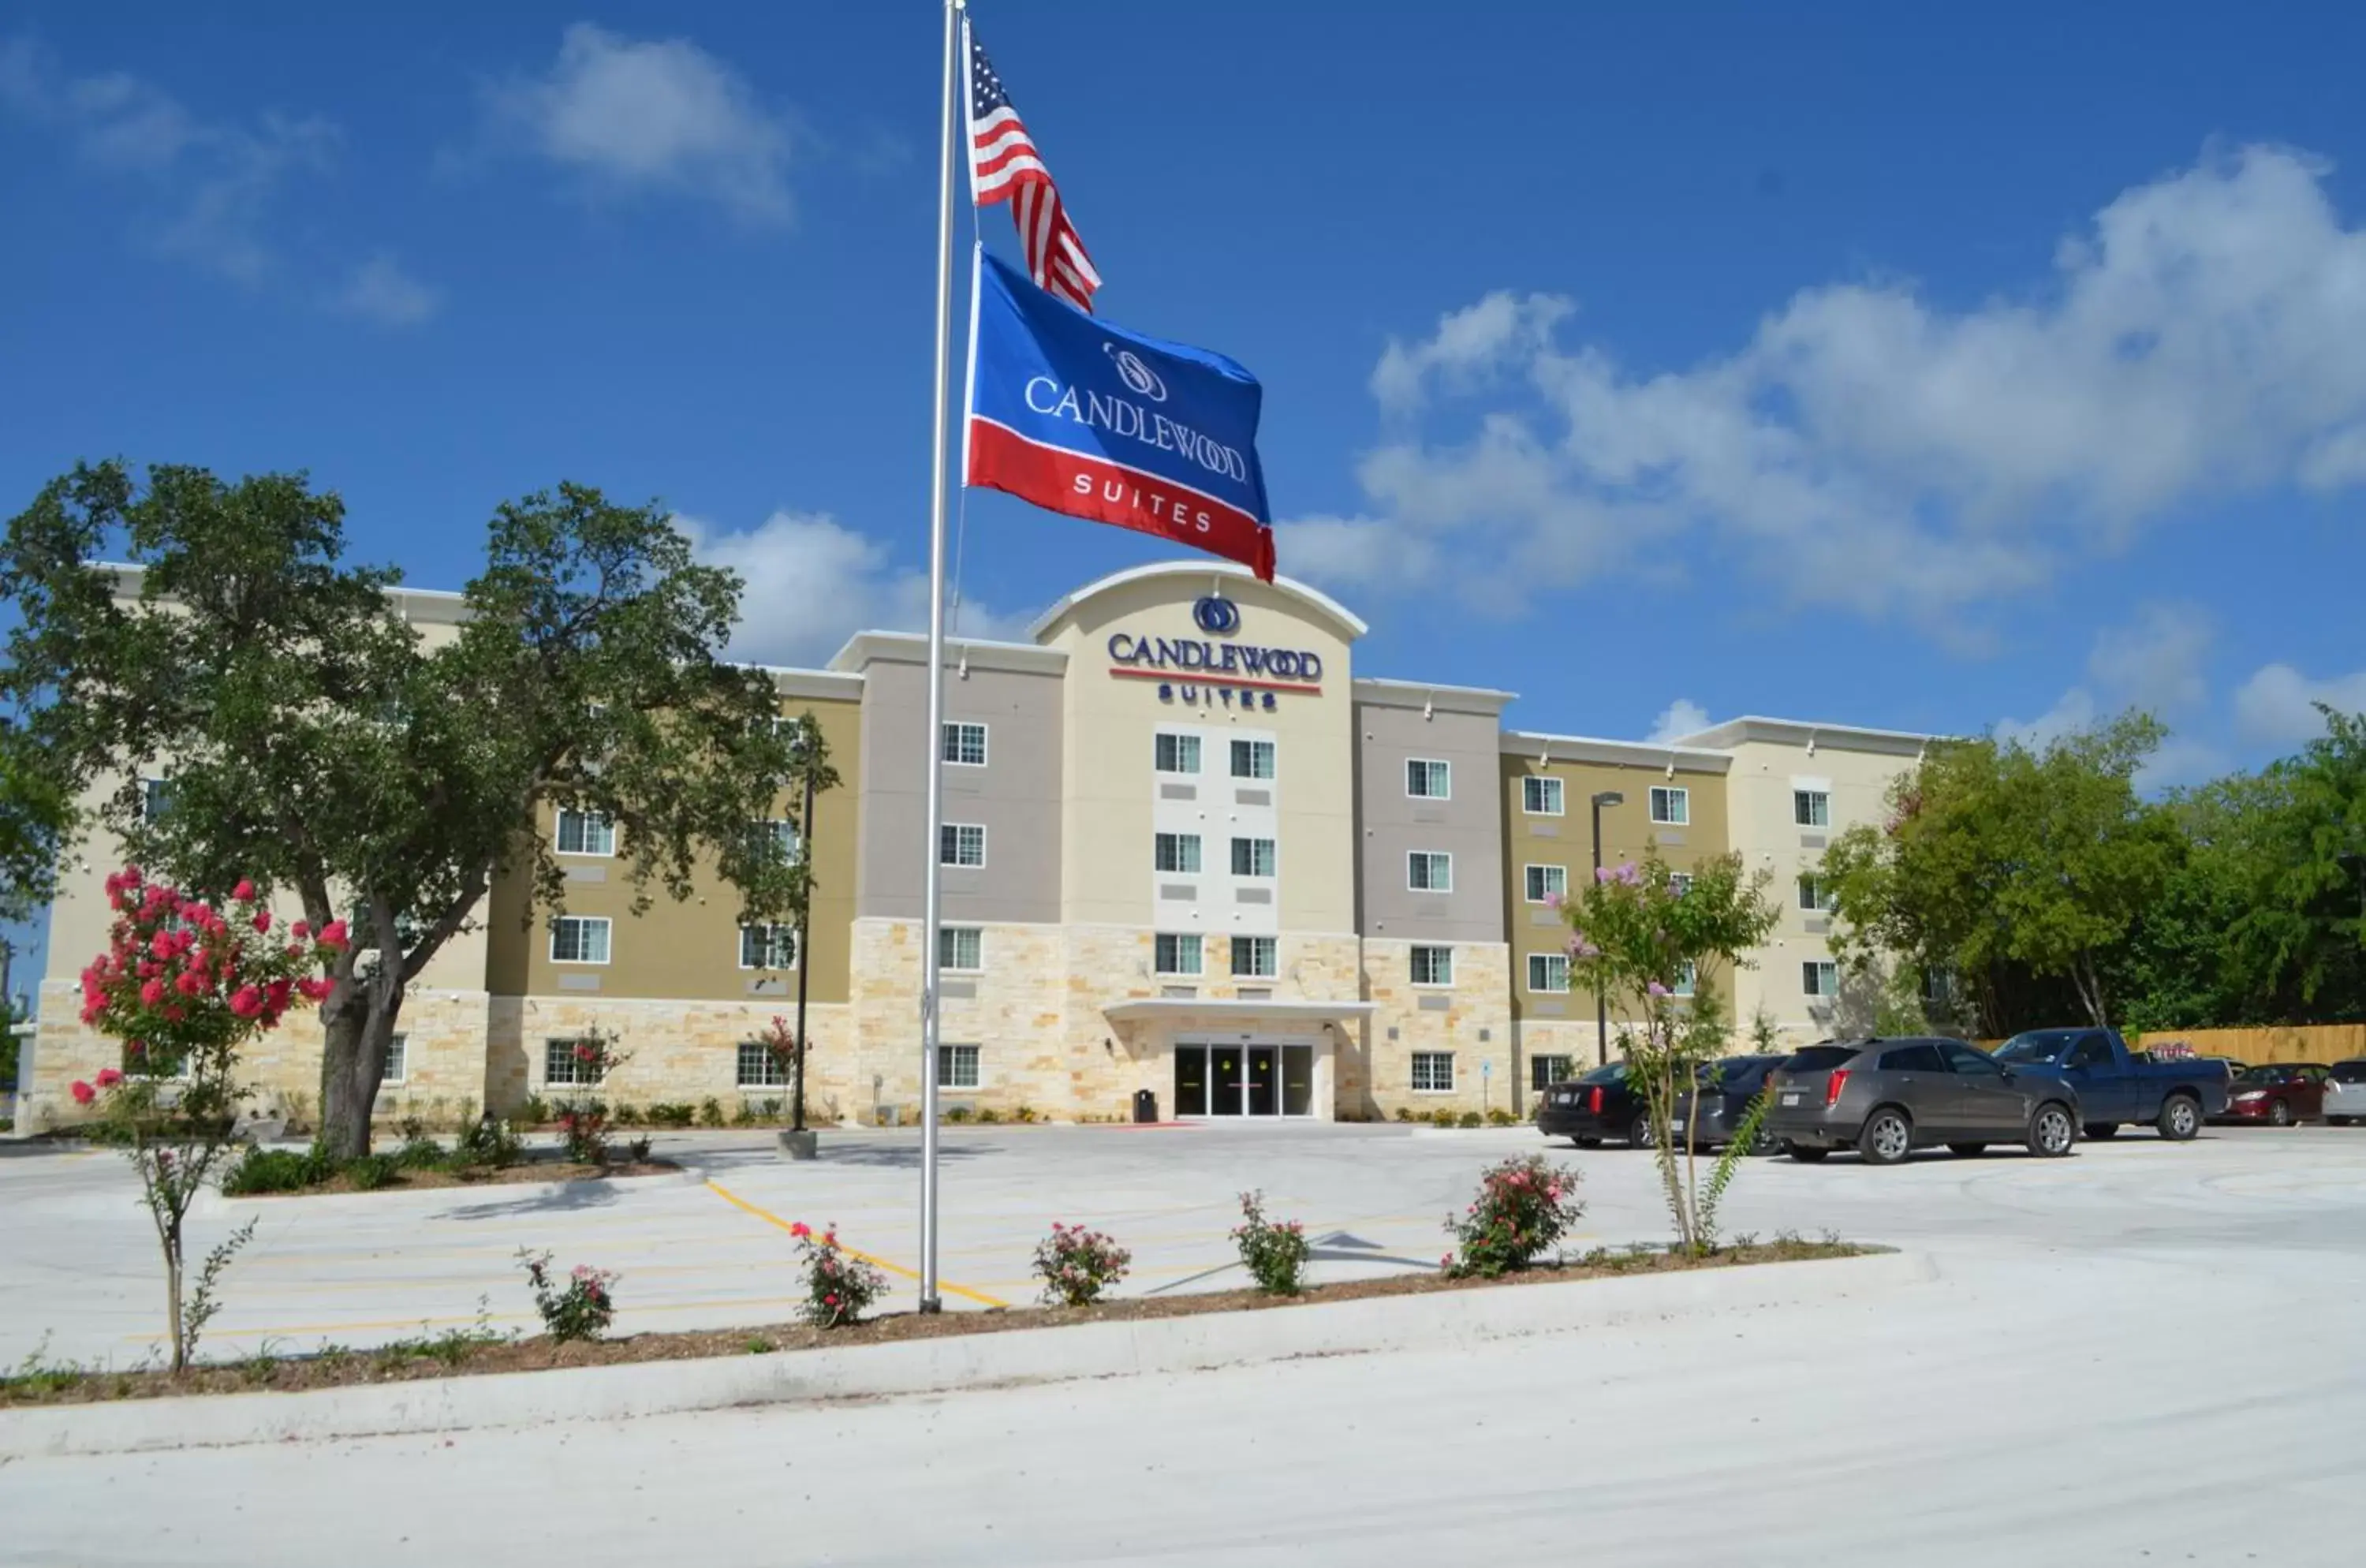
1005 166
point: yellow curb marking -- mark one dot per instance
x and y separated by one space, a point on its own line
770 1218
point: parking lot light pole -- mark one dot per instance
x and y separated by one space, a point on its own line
1601 1003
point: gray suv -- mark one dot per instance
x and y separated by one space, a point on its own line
1887 1097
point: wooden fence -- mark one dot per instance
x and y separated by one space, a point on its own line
2274 1043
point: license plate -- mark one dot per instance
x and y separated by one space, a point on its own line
1675 1126
1790 1100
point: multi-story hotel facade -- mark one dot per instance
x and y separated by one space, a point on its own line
1187 849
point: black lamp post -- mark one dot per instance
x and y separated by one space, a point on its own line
1601 1004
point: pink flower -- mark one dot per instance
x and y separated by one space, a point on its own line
313 988
243 892
801 1230
263 920
132 877
1657 989
1552 900
161 944
188 983
83 1094
109 1078
334 934
246 1002
151 993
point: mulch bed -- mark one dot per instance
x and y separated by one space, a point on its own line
419 1178
467 1353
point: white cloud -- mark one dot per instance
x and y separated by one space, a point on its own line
2277 705
633 115
1679 719
2074 710
1870 448
2155 662
215 181
380 290
811 582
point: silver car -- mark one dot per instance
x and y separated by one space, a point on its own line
1887 1097
2345 1093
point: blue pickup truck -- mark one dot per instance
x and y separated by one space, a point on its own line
2116 1086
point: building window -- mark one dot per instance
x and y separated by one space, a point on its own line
1811 808
1255 957
1938 987
1687 977
578 938
964 744
1819 977
759 1066
1672 804
961 947
1178 753
397 1063
1548 882
1548 972
957 1067
767 947
1433 1072
1177 953
1540 796
1252 759
1680 883
1433 966
1252 857
572 1064
1179 853
1815 895
774 839
1546 1071
1429 871
1429 781
961 843
155 798
586 833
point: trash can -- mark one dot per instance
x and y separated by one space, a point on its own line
1146 1106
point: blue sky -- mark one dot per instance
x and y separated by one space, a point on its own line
1915 366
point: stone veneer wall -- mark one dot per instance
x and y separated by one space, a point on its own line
1477 1002
674 1052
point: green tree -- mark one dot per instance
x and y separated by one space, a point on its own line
36 816
312 738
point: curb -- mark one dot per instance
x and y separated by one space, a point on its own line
1447 1320
212 1205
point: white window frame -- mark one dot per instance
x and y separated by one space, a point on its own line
1811 977
772 1074
397 1063
1540 1074
1414 965
1434 858
1181 742
952 1057
1816 803
774 931
1272 857
1269 946
151 791
587 821
1549 960
1687 978
1528 883
607 939
576 1070
1198 952
781 831
955 829
949 950
1180 848
1545 784
1272 760
1431 771
1675 797
1814 896
951 746
1430 1059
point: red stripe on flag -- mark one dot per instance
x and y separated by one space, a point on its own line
1103 491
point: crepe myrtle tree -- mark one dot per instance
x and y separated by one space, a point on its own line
312 738
1639 934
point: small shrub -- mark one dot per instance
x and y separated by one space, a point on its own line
667 1115
1499 1117
769 1108
1076 1264
585 1129
276 1171
839 1287
1442 1118
488 1143
745 1116
1523 1208
710 1112
580 1306
535 1111
1275 1255
627 1114
637 1151
957 1113
988 1116
1404 1113
412 1128
1024 1113
1470 1118
371 1172
419 1152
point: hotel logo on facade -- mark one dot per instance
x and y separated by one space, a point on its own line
1204 673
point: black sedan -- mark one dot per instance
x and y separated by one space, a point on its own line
1716 1111
1600 1105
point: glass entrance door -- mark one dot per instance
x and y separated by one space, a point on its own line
1191 1080
1223 1080
1243 1080
1298 1080
1263 1098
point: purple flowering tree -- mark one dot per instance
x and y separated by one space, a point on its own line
1659 946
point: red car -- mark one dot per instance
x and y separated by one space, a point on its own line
2279 1094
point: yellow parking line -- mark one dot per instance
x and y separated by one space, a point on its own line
770 1218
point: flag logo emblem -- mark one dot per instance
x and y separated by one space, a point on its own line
1217 616
1140 377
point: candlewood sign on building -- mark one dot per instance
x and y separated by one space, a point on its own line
1185 850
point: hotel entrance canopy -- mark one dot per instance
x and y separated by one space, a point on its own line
1245 1011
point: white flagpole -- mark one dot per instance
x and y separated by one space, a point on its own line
932 916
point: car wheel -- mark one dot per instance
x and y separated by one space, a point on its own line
2180 1118
2102 1129
1887 1139
1805 1154
2051 1131
1766 1143
1587 1143
1638 1131
2337 1120
2280 1115
1969 1151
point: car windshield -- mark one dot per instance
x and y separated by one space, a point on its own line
2350 1072
1821 1059
2047 1046
1742 1071
1614 1073
2265 1074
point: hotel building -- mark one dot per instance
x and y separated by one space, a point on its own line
1187 849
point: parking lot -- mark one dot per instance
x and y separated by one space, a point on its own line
78 1269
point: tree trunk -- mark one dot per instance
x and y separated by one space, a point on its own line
2090 989
173 1299
354 1040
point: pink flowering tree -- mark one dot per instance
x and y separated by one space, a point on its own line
184 985
1658 944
